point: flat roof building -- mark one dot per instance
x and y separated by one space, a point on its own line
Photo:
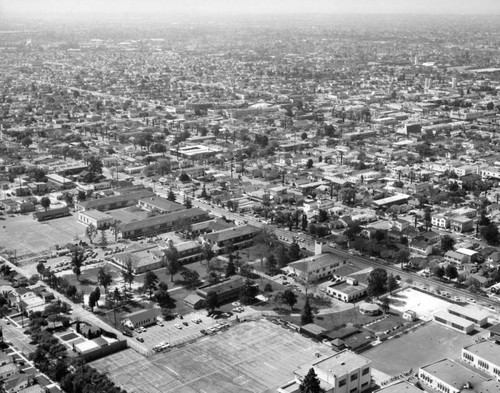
114 202
454 321
485 356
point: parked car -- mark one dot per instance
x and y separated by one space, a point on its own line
140 339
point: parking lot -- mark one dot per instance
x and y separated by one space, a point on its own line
156 335
255 356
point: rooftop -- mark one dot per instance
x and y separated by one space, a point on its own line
487 350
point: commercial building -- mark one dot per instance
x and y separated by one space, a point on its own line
159 224
59 182
485 356
461 224
96 218
343 372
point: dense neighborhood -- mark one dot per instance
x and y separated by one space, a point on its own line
216 208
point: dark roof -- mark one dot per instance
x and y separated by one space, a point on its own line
163 219
231 233
230 284
141 315
51 212
133 196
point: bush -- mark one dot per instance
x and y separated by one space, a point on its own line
268 287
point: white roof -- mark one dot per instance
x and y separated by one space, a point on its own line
86 346
466 251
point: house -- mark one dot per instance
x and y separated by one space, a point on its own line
455 258
16 383
440 221
342 372
29 301
34 389
470 255
347 291
421 247
7 370
140 318
142 259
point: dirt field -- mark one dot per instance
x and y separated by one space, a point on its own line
253 357
26 235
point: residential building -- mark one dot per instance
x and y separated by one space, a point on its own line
455 258
16 383
343 372
440 221
461 224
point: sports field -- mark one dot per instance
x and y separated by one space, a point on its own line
425 345
255 356
26 235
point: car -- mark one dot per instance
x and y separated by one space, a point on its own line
127 333
159 323
203 331
140 339
457 298
185 323
177 326
138 330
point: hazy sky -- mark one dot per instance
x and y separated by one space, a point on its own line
155 7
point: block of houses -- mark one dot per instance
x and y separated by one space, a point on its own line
140 318
343 372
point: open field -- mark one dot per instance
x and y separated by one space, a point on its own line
254 357
26 235
415 349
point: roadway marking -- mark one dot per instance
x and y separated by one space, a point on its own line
171 370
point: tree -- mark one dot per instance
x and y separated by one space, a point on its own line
322 215
307 314
287 297
95 165
347 195
171 196
311 383
92 300
304 222
352 231
40 268
191 278
104 239
310 163
439 272
212 301
187 203
77 262
128 273
427 218
377 282
230 269
392 283
184 177
45 202
150 283
26 141
68 198
248 292
91 232
163 297
490 234
294 252
206 252
81 196
171 261
451 272
402 257
303 136
104 278
447 243
385 305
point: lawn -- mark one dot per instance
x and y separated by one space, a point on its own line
425 345
87 281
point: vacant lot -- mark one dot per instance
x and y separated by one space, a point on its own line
425 345
250 357
26 235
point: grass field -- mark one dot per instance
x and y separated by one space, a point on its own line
425 345
253 357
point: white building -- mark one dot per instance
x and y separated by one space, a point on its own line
96 218
485 356
343 372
